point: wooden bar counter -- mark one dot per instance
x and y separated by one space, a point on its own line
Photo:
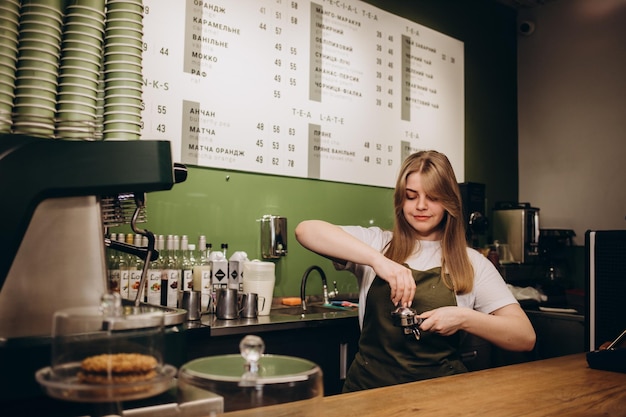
563 386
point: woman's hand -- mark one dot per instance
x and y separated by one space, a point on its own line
443 320
399 278
507 327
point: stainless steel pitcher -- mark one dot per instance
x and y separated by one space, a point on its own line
227 304
250 305
191 301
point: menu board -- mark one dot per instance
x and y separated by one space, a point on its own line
327 89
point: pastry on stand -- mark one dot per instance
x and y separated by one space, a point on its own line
105 355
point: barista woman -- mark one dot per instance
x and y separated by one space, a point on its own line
425 264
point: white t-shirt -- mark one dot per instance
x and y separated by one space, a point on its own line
489 292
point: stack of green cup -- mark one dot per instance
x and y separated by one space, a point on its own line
100 105
34 108
79 71
123 77
9 38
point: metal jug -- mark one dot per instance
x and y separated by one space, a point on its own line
250 305
190 301
227 304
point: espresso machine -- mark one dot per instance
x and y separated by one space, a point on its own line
517 224
52 251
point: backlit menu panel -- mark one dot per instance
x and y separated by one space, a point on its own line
334 90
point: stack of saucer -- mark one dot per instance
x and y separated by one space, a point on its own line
123 79
41 23
9 37
79 71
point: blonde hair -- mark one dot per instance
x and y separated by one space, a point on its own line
439 183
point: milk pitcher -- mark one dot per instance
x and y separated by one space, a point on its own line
227 304
250 305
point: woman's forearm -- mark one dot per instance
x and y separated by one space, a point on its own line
508 328
333 242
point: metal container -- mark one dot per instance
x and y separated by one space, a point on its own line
227 304
273 236
250 305
518 226
190 301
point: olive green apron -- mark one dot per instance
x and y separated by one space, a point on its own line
386 355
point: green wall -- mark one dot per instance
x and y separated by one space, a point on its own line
225 205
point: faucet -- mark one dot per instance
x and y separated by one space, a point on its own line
326 294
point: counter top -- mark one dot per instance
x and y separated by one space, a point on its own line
563 386
276 320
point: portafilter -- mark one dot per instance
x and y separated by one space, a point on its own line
407 319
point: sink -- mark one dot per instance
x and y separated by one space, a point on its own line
312 309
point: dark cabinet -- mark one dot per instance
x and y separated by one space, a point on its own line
558 334
331 344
